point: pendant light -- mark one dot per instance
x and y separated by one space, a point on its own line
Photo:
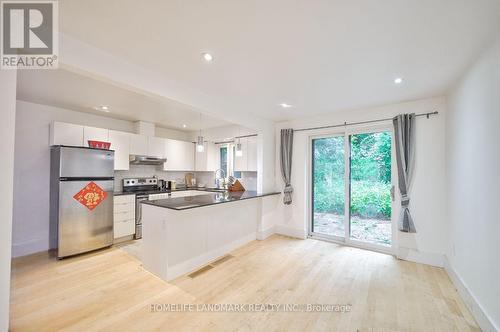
199 143
239 151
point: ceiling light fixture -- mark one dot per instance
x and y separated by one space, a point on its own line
398 80
208 57
102 108
285 105
184 126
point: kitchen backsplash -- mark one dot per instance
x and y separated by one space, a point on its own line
248 179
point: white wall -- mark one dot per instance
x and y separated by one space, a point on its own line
427 192
473 159
217 134
8 111
172 133
32 167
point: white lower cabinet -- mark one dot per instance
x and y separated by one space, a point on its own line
124 216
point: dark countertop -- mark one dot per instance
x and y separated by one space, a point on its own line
192 202
209 189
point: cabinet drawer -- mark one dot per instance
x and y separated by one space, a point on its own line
124 215
124 199
120 207
124 228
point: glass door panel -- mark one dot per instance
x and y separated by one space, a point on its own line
370 188
328 187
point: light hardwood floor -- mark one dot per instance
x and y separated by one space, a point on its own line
109 290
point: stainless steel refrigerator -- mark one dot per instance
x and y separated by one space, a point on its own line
81 197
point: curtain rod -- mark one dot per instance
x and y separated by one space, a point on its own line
235 137
362 122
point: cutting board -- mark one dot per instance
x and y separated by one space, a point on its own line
237 186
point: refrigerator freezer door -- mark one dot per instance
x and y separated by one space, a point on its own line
86 163
81 229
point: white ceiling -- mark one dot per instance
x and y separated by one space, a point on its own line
320 56
69 90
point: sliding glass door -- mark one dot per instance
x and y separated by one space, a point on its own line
329 186
351 188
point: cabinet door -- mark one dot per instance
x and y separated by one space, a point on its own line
201 159
156 147
241 162
66 134
120 142
94 134
212 157
180 155
138 145
207 161
188 152
252 154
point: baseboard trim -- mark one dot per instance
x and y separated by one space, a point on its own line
483 320
290 231
29 247
264 234
428 258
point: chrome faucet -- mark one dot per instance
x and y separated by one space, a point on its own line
218 179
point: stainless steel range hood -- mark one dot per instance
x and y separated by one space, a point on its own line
146 160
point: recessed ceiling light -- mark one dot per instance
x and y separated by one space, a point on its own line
285 105
208 57
184 126
102 108
398 80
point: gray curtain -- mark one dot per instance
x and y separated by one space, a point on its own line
404 128
286 148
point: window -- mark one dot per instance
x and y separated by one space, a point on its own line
224 160
236 174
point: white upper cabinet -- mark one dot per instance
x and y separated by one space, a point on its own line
252 154
120 142
66 134
138 145
180 155
241 161
94 134
206 160
247 162
156 147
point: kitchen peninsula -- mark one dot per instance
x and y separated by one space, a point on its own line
182 234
